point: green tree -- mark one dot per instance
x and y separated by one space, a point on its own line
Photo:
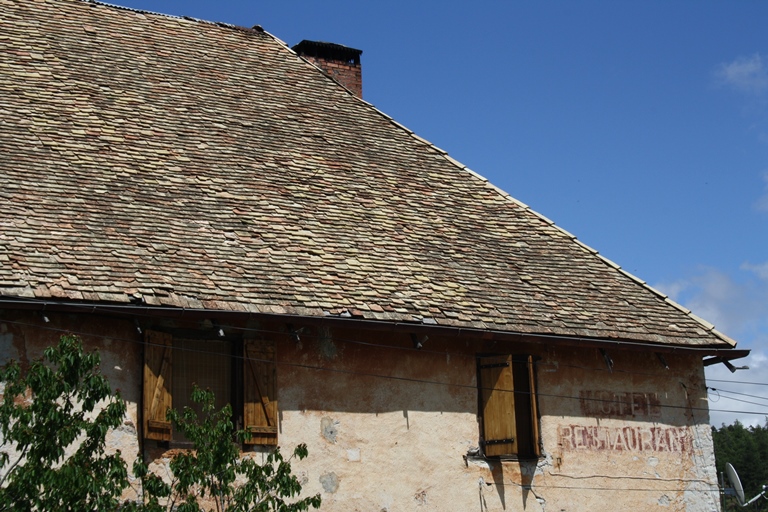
54 419
214 475
746 448
53 453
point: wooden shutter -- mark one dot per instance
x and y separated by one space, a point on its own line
260 394
534 409
158 370
498 405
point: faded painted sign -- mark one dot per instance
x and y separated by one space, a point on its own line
603 404
632 439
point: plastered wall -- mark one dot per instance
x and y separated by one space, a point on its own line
25 335
390 428
638 432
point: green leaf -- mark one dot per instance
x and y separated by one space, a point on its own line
42 418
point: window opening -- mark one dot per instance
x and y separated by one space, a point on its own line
508 408
241 373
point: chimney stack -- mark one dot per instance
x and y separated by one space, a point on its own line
339 62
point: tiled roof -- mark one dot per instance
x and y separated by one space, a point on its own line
191 164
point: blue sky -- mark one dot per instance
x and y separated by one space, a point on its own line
640 127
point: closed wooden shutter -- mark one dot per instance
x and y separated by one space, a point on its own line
158 370
498 406
260 394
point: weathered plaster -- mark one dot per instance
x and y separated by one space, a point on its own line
389 428
26 335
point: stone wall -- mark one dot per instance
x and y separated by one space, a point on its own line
391 428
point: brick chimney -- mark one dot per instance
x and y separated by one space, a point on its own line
339 62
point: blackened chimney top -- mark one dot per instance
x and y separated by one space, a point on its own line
340 62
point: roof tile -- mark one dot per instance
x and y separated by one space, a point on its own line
193 164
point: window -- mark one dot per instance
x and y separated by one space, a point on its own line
207 363
509 419
242 373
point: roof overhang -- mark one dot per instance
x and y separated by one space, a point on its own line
726 358
715 354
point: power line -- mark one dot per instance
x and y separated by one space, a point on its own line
623 477
389 377
685 487
740 394
739 382
138 314
740 400
532 487
535 487
142 311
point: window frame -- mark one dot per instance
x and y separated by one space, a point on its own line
253 386
508 415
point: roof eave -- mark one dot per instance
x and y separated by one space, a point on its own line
142 310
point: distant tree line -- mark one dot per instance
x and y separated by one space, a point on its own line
746 448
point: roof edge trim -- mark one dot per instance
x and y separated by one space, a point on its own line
706 325
486 334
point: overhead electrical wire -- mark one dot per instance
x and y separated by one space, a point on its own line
737 399
142 311
136 312
739 382
627 477
602 368
533 487
391 377
375 375
740 394
713 488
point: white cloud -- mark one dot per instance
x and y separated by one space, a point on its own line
739 308
739 396
762 203
733 306
746 74
761 269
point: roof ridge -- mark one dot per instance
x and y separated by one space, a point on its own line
222 24
133 9
255 28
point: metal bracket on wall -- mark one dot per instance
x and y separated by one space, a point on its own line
608 360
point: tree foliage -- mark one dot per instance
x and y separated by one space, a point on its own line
746 448
54 421
214 475
53 453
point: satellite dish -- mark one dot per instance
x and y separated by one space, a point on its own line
733 477
738 488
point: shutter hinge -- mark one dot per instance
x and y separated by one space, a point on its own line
500 441
494 365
